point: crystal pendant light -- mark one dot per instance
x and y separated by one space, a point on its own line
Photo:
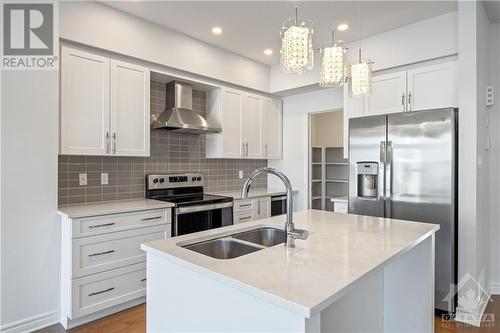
296 53
361 71
360 77
332 64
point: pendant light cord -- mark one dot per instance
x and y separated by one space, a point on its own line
360 28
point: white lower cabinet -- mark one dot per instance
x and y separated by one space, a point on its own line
103 266
246 210
103 290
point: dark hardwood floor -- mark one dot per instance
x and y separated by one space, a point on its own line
134 321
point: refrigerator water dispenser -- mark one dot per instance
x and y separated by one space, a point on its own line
367 179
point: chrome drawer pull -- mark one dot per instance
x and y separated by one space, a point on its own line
101 225
151 218
245 205
102 291
245 218
142 280
101 253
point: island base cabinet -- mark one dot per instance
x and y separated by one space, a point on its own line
398 297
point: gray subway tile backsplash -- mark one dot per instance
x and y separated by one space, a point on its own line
171 152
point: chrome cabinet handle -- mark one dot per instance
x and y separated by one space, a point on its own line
409 101
403 102
243 149
114 143
143 279
107 142
101 292
101 253
258 209
265 146
151 218
245 205
245 218
101 225
247 148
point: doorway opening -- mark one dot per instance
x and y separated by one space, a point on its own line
328 169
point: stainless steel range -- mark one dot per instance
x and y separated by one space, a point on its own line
194 210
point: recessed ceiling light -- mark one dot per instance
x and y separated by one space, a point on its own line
216 30
342 27
268 52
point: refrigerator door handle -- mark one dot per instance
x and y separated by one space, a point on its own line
388 175
382 175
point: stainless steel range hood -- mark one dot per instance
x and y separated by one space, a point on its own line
179 114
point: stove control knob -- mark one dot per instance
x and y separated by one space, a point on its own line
193 179
162 180
198 179
155 180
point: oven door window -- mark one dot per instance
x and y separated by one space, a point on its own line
278 207
187 223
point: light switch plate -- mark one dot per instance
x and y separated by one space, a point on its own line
82 179
490 96
240 174
104 179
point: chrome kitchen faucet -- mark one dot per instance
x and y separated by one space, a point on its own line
291 232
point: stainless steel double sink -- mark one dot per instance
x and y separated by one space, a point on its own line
239 244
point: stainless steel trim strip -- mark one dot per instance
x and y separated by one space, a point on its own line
202 208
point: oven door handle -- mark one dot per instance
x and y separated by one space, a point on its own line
201 208
278 198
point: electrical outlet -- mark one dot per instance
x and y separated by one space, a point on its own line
104 179
82 177
240 174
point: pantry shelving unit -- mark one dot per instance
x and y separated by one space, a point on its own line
329 176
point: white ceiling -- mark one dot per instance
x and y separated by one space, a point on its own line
249 27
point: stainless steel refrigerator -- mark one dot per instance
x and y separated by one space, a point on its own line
404 166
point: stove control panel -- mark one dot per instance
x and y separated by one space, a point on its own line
157 182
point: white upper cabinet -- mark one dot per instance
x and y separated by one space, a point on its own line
129 109
84 103
387 94
104 105
254 127
273 135
432 87
245 119
232 121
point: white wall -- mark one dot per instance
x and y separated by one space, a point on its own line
421 41
494 131
296 137
100 26
30 229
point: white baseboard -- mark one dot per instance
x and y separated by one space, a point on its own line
33 323
495 288
69 323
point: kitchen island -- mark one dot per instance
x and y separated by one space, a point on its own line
353 273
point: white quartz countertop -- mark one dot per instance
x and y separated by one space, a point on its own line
111 207
253 193
340 249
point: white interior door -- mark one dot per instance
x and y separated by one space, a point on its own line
130 109
433 87
388 93
254 129
232 119
85 84
273 146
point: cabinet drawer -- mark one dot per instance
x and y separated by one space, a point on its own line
243 217
118 222
100 291
340 207
104 252
243 205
